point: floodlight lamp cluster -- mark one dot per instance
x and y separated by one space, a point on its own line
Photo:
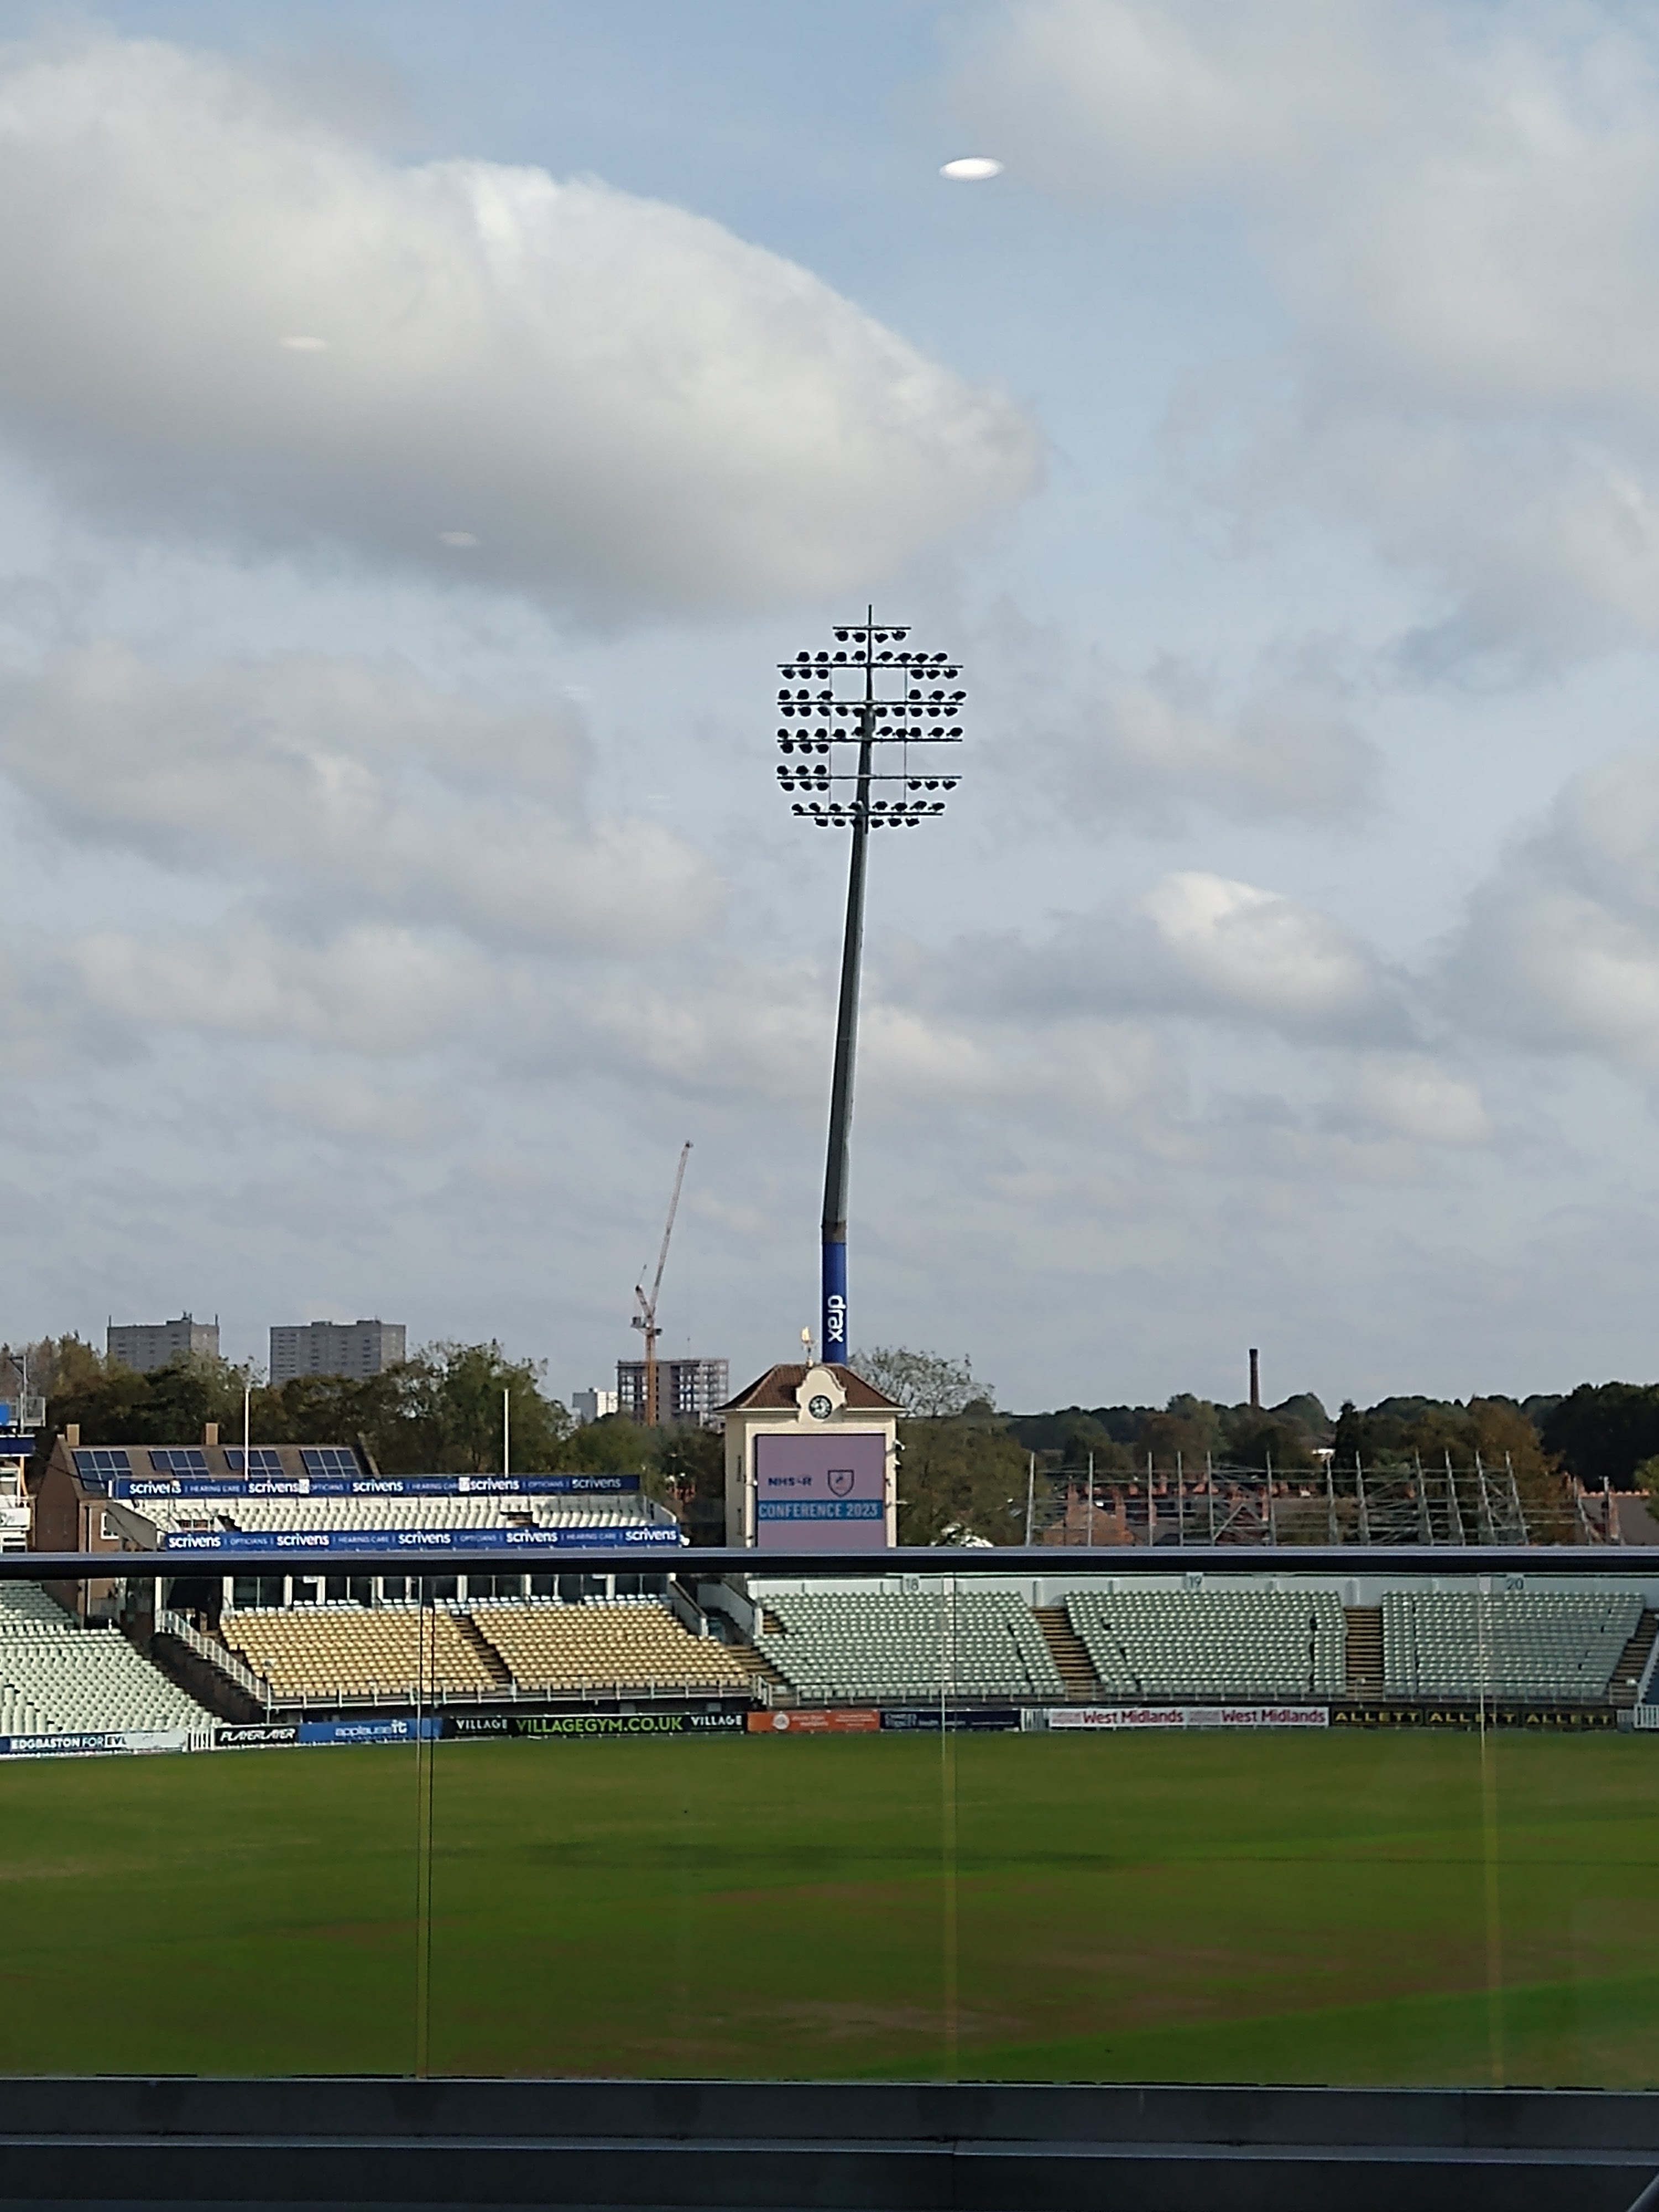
873 691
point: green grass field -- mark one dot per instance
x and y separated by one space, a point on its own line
1274 1909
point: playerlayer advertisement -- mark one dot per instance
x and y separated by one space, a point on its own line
821 1493
1188 1716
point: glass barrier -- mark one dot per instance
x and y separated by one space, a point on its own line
1021 1819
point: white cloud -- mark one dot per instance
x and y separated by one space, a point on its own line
225 322
1407 1095
1454 208
1164 741
1236 950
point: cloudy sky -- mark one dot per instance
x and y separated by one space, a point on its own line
423 425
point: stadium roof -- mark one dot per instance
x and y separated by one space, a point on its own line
776 1389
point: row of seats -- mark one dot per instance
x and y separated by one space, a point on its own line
976 1643
1227 1644
394 1650
1561 1647
56 1675
26 1610
630 1643
350 1651
92 1677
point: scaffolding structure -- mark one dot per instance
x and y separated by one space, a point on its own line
1394 1502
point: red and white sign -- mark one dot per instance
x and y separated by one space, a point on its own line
1188 1716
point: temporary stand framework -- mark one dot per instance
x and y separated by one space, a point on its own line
1397 1503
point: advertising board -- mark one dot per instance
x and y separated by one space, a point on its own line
140 1486
550 1726
816 1721
426 1729
821 1493
1188 1716
87 1743
627 1536
928 1720
255 1735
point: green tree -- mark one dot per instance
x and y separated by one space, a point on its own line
1604 1431
1251 1436
1187 1428
962 1479
924 1383
446 1414
170 1404
692 1465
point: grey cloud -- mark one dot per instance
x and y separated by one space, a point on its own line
1195 946
224 321
1559 948
1453 210
333 788
1164 743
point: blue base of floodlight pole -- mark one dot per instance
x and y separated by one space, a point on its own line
832 1344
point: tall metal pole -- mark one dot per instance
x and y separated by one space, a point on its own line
833 1341
909 712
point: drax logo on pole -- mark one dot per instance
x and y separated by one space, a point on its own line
874 693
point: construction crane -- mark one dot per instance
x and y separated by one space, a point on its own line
646 1318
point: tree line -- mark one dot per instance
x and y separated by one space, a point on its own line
437 1413
965 1466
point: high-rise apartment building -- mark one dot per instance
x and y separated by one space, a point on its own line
688 1390
592 1405
146 1344
336 1347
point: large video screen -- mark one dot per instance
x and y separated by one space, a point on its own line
821 1493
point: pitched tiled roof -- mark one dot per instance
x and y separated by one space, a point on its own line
776 1389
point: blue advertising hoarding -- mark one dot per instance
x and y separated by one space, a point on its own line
629 1536
140 1486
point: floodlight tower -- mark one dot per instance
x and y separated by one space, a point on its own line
873 693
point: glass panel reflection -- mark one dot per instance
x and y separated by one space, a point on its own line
1261 1824
180 1893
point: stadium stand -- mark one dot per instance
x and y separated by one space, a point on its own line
621 1642
55 1675
1558 1646
1227 1644
845 1645
325 1652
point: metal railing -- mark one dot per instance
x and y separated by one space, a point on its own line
228 1662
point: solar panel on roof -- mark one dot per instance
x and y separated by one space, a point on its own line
263 1459
328 1459
180 1459
99 1462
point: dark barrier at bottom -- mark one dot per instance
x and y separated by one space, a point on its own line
875 2146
